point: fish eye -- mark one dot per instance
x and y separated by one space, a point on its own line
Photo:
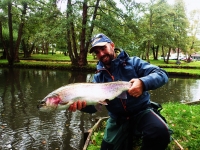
42 103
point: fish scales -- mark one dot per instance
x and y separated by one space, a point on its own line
92 93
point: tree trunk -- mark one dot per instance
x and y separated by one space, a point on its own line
169 51
147 52
155 52
10 53
92 25
27 51
20 33
69 44
189 55
82 59
3 42
13 49
178 52
163 53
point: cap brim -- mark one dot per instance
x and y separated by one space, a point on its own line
98 44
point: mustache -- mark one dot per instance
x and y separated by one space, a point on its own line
104 57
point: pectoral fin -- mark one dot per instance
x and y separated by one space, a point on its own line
63 103
105 102
98 107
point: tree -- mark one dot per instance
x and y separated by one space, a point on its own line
180 24
194 30
12 51
153 26
91 18
162 27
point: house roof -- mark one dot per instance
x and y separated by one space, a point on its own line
196 55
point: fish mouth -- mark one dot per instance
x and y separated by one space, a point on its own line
45 106
42 104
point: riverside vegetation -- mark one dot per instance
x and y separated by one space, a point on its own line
183 119
59 61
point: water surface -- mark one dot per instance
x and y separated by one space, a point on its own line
23 127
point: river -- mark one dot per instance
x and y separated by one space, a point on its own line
23 127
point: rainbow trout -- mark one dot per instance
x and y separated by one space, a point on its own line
92 93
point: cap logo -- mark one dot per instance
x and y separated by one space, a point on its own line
96 40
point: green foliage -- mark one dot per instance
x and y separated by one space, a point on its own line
5 33
97 137
96 140
132 26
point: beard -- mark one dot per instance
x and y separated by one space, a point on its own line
107 59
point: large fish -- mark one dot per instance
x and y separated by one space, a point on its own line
92 93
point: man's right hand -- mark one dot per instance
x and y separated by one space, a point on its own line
77 105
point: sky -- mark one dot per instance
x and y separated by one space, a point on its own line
190 4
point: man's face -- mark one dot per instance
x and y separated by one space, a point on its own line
105 53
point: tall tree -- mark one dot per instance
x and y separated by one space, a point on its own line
98 16
162 28
194 31
12 48
12 54
180 24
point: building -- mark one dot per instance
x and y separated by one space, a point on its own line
196 56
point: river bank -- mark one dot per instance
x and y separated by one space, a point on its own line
185 69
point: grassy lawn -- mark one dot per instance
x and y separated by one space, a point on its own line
184 71
185 122
183 119
58 57
59 61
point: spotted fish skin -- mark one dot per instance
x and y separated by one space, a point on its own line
92 93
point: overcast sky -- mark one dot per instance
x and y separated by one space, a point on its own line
190 4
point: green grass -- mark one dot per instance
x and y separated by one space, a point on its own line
57 57
183 71
183 119
173 63
185 122
60 61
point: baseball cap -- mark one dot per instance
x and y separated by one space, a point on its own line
99 40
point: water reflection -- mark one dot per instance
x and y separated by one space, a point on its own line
22 126
177 89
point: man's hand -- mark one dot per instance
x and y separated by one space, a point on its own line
77 105
137 87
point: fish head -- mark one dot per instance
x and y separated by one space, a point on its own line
52 103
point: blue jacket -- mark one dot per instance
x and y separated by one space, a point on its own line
125 68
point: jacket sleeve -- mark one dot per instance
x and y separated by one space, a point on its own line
152 76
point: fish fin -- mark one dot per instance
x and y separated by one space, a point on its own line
63 103
98 107
123 95
105 102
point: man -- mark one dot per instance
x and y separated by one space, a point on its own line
132 116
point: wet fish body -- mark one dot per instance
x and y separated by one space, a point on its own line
92 93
